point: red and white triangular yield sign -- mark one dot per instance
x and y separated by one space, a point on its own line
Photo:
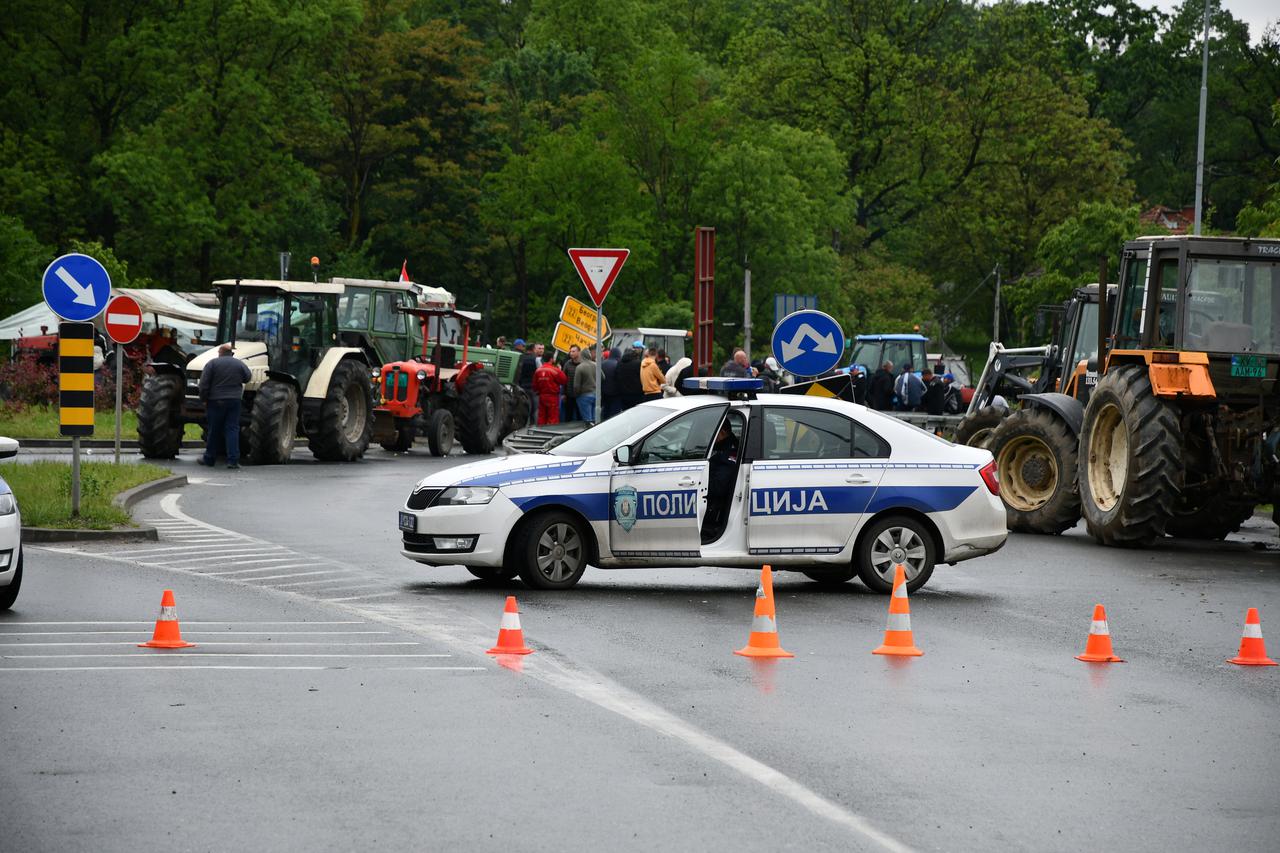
598 268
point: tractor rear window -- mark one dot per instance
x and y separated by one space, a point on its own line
1233 306
257 317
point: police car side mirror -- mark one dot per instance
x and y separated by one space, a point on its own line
622 455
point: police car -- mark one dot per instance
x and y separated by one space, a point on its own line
725 478
10 535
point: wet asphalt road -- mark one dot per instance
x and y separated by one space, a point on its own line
633 725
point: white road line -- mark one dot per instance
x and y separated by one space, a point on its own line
232 666
187 564
313 583
190 559
243 571
215 643
139 552
384 656
169 504
293 575
359 597
188 633
195 622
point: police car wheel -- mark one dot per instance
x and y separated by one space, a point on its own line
488 573
554 551
892 540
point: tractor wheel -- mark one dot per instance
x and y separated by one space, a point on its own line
1130 472
1036 455
159 430
1217 518
517 409
440 432
976 429
273 424
346 415
406 432
481 413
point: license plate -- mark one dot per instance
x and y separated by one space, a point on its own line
1249 366
408 522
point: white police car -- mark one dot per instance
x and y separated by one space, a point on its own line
10 535
820 486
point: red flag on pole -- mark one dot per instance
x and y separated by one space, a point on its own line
404 270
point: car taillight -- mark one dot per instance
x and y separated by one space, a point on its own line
991 477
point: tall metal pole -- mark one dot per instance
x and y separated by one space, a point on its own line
75 476
119 397
746 306
595 410
995 314
1204 101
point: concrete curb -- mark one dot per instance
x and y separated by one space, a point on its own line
92 443
125 500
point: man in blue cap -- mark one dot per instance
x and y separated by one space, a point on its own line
627 377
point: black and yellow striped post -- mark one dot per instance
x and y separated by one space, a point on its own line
75 393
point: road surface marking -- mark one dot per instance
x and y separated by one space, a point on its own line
142 654
215 643
293 575
191 633
189 622
243 571
232 666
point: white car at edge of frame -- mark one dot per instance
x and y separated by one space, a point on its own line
10 534
820 486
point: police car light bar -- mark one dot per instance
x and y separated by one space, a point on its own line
722 385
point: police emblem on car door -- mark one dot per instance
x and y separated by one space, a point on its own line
657 500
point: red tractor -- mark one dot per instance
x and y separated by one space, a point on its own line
441 393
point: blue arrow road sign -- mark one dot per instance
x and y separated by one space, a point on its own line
808 343
77 287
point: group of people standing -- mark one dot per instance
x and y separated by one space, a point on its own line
933 391
566 391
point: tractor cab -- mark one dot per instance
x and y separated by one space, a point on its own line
277 326
871 351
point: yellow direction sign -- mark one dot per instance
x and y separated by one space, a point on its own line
582 317
567 336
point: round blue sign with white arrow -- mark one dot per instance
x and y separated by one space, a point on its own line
808 343
76 287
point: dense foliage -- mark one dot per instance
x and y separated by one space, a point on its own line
882 154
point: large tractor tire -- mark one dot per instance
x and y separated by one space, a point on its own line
1217 518
346 415
406 432
481 414
976 429
159 430
1130 471
273 424
1036 456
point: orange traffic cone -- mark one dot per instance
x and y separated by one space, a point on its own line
763 642
1098 647
510 636
168 635
1253 651
898 639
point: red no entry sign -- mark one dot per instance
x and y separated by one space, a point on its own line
124 319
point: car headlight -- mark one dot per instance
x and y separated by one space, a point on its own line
465 496
422 375
8 505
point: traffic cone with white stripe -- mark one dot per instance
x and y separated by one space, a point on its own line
1253 651
898 639
510 636
168 634
763 642
1097 649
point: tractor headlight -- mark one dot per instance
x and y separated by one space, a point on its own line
465 496
8 505
422 375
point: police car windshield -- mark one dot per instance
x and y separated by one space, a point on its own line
609 434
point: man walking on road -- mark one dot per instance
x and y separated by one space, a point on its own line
221 387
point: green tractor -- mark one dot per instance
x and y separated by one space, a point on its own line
310 376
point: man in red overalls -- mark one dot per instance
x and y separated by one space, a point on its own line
547 382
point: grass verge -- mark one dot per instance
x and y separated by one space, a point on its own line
43 490
42 422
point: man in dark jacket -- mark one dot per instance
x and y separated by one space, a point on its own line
221 388
610 402
569 403
935 393
880 389
630 388
524 375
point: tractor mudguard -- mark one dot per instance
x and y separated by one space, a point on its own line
318 384
164 367
1066 407
460 381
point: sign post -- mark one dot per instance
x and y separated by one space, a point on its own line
76 288
808 343
124 322
598 269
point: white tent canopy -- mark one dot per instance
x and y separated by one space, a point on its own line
159 308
